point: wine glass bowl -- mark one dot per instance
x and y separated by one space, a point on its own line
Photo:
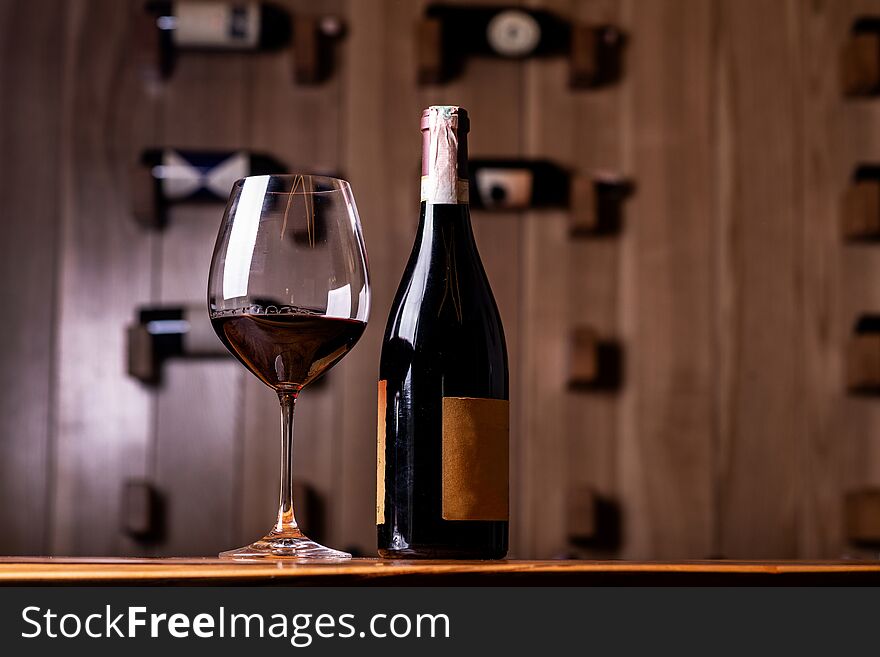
289 296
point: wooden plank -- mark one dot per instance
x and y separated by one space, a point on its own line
760 277
301 126
198 414
102 420
827 424
851 289
30 76
380 572
571 437
666 439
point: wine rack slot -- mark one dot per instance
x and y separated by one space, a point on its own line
860 59
429 51
584 361
143 511
315 38
591 520
597 204
221 26
863 356
167 176
595 363
171 332
862 516
860 209
595 57
449 35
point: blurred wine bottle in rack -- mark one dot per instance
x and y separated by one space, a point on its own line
450 34
860 58
241 26
510 184
594 201
167 176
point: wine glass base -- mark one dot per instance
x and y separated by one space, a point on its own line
285 547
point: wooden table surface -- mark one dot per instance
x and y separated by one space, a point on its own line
377 572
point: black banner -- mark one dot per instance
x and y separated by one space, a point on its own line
432 621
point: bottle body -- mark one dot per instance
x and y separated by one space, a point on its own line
443 409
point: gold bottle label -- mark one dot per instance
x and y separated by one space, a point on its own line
475 459
380 456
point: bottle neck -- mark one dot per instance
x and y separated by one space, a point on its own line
445 234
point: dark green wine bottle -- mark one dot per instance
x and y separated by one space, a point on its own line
443 381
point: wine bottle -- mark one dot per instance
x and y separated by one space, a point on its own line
222 25
443 388
166 176
216 25
508 184
509 31
185 175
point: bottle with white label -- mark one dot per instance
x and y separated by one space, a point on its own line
443 388
222 24
217 26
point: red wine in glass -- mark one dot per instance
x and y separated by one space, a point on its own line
290 350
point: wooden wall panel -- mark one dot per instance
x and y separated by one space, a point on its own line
826 425
198 405
595 289
30 168
759 329
566 283
102 419
665 465
849 136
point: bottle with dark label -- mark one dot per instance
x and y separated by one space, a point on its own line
510 31
443 388
186 175
165 176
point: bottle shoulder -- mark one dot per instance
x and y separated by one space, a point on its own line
444 308
448 305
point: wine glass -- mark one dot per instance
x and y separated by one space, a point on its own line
289 296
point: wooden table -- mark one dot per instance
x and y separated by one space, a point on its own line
377 572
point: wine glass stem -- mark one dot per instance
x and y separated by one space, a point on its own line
286 523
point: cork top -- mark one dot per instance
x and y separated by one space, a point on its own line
444 154
458 115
